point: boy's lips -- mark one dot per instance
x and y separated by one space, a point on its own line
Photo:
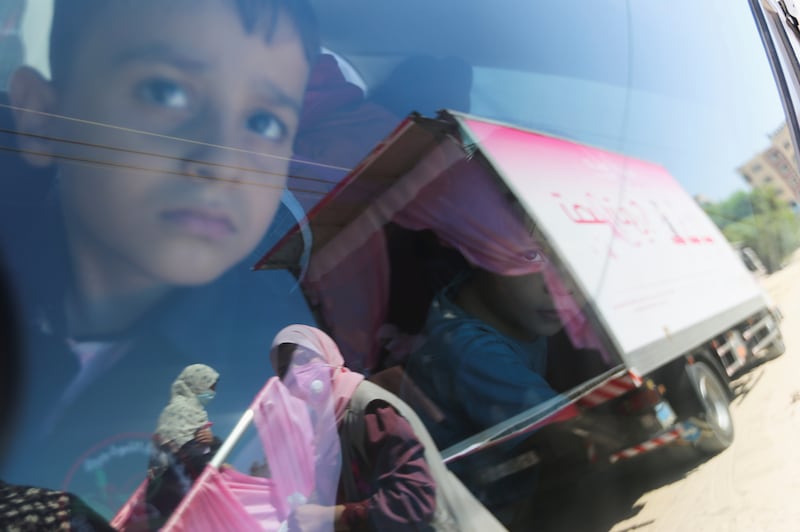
204 223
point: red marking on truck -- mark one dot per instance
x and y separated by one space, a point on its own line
610 390
654 443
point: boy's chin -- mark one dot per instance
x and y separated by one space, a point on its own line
194 279
548 330
177 263
192 274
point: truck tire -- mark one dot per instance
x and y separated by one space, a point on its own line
714 420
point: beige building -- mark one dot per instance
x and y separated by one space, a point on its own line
776 167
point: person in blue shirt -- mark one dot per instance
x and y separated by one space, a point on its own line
484 360
485 353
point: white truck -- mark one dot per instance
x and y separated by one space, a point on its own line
672 309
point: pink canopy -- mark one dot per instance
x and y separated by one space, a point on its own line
225 499
468 209
132 517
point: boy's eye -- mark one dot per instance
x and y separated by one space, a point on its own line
165 93
267 125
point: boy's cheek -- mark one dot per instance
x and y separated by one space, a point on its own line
136 186
264 211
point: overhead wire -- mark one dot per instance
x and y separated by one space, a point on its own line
156 155
157 135
162 171
168 157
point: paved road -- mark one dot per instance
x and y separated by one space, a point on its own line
752 486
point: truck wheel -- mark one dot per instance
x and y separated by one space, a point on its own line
714 421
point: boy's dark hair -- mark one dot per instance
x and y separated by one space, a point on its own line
72 18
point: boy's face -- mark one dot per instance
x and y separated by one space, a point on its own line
194 194
526 302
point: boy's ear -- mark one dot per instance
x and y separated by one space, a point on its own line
33 99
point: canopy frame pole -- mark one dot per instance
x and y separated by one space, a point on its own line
232 439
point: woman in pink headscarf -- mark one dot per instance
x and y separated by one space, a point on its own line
392 477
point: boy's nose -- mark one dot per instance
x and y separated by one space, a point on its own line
215 163
210 150
218 152
222 165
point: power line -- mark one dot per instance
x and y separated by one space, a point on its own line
156 135
161 171
159 135
161 156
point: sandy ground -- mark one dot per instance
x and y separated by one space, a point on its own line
752 486
755 484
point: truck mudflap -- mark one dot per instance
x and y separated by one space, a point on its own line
685 431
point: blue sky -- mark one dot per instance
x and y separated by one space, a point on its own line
702 101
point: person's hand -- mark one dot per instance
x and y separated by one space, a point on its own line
311 518
204 435
259 469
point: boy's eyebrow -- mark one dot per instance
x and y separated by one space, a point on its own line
163 52
272 92
160 51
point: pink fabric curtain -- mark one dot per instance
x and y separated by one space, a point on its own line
353 299
132 517
290 455
467 208
227 500
220 500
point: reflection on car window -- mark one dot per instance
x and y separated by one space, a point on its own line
141 186
153 153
